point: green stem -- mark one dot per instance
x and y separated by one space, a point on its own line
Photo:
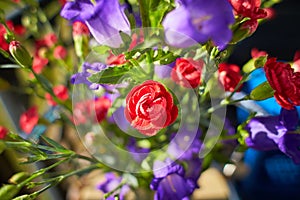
144 8
106 195
245 77
226 103
41 172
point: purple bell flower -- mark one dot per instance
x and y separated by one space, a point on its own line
170 183
104 19
289 144
276 132
111 182
87 70
200 20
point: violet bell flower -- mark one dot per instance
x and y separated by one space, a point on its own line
111 182
104 19
170 182
276 132
199 21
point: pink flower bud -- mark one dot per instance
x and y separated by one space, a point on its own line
20 54
3 132
60 52
80 28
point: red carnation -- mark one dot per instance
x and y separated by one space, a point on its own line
229 76
150 107
248 8
3 132
29 119
285 82
60 91
187 72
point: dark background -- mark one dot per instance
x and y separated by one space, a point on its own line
280 37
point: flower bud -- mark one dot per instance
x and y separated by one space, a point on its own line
59 52
20 54
3 132
81 38
9 191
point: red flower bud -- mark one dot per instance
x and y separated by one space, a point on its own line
285 82
29 119
3 132
187 72
250 25
20 54
60 91
229 76
116 60
296 64
38 64
80 28
102 106
150 107
60 52
255 53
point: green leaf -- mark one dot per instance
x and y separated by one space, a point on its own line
53 143
111 75
249 66
7 192
101 49
260 62
158 9
262 92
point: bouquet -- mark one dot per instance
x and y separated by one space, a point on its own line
145 85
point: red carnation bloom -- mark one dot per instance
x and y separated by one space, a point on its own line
229 76
285 82
248 8
60 91
60 52
150 107
187 72
29 119
3 132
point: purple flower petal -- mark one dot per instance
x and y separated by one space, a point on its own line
103 19
264 132
289 144
289 118
199 20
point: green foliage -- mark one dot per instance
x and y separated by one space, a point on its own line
111 75
262 92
